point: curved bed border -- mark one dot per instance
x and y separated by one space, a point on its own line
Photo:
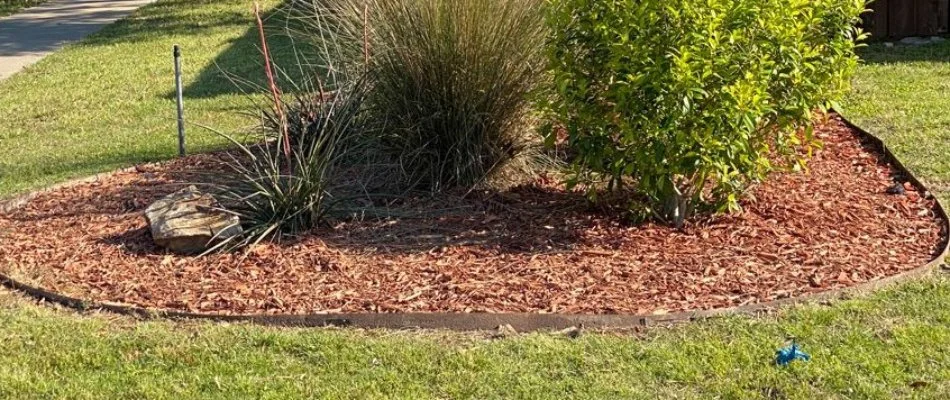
485 321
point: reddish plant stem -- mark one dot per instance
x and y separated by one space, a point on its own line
275 92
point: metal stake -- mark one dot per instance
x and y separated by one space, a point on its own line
181 102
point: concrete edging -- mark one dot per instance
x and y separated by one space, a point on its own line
483 321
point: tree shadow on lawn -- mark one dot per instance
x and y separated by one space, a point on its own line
240 68
878 53
166 19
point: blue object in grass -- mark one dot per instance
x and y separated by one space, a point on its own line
786 355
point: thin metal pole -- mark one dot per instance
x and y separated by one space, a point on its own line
181 102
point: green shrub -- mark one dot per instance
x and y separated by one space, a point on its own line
685 99
452 80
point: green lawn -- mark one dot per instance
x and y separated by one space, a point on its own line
881 347
8 7
107 102
104 104
903 95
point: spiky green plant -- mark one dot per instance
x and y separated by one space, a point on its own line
276 195
283 183
452 80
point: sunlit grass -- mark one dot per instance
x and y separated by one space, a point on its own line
886 346
104 104
902 94
8 7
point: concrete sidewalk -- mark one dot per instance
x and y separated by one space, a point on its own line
32 34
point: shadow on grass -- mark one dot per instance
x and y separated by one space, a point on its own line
240 68
237 70
167 19
878 53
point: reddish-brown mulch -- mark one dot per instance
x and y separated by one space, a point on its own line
531 249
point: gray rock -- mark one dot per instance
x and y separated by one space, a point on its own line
186 222
888 44
937 39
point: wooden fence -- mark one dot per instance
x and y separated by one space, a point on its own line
892 19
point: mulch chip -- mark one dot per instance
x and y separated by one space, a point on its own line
535 248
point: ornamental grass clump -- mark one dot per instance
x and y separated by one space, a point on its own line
452 81
685 101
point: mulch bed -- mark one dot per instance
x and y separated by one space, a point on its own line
535 248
